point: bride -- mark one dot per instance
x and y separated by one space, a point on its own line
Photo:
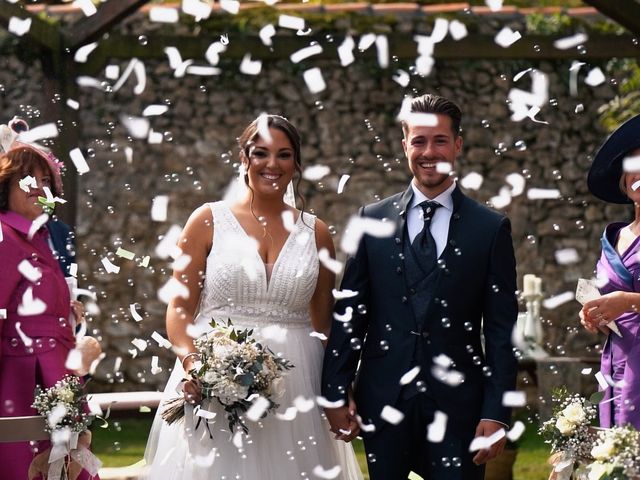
248 264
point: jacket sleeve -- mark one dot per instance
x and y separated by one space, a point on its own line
342 352
499 317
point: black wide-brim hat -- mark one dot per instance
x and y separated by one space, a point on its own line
605 172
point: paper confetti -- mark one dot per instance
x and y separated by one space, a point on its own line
266 34
172 289
112 72
87 7
570 42
162 342
557 300
257 409
346 293
155 369
304 53
408 377
30 305
366 41
74 360
382 45
163 15
25 339
71 103
543 193
140 344
458 30
324 403
333 472
345 51
290 414
329 263
19 26
631 164
391 415
153 110
289 21
314 80
313 173
82 54
514 399
110 267
48 130
342 182
494 5
121 252
28 271
481 443
275 333
137 127
303 404
159 206
472 181
437 428
134 314
595 77
199 10
516 431
250 67
359 226
567 256
345 317
231 6
507 37
318 335
402 78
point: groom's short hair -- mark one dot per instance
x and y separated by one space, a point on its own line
430 103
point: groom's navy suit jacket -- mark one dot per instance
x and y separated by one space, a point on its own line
473 293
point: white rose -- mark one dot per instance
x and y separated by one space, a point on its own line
565 426
597 470
209 377
604 450
277 387
574 413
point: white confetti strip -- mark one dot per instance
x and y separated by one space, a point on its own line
482 443
602 381
167 247
266 34
290 414
289 21
408 377
162 342
73 269
402 78
318 335
25 339
112 72
329 263
128 153
121 252
87 7
382 46
302 404
153 110
203 71
199 10
414 476
516 431
82 54
213 52
359 226
250 67
346 293
3 313
27 182
257 409
19 26
304 53
458 30
164 15
155 368
231 6
437 428
86 81
140 344
366 41
262 126
342 182
345 51
206 414
159 206
137 127
48 130
145 261
134 314
543 193
631 164
320 472
595 77
514 399
74 360
28 271
507 37
172 289
154 138
443 167
440 30
37 224
314 80
313 173
567 256
502 199
517 183
494 5
570 42
557 300
110 267
586 371
205 461
56 415
324 403
71 103
391 415
344 317
30 305
415 119
472 181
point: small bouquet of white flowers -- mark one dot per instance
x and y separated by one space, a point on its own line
568 431
63 406
616 454
234 369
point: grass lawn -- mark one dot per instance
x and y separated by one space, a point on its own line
123 442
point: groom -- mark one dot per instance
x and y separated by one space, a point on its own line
433 313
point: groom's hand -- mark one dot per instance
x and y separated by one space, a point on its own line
486 428
343 421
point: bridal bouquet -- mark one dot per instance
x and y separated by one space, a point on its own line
234 369
568 431
616 454
63 406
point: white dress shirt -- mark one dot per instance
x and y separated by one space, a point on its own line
439 227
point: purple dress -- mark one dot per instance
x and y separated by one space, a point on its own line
22 367
621 355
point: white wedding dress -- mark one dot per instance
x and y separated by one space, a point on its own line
278 447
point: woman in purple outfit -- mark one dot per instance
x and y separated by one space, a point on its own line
34 298
618 274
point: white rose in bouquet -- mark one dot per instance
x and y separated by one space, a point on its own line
574 413
604 450
65 394
598 470
565 426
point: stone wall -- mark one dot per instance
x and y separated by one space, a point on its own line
349 127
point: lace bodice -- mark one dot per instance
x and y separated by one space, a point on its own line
236 284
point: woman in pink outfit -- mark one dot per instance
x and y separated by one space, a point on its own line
34 298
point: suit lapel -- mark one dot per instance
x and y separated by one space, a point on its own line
401 220
454 224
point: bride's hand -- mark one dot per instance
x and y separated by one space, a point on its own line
192 390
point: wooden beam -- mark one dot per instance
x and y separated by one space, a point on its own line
530 47
625 12
91 28
42 33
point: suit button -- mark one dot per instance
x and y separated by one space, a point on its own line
456 216
412 291
447 272
397 241
404 299
452 243
398 270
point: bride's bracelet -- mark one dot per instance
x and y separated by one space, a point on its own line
192 354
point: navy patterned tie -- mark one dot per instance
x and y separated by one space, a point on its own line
424 244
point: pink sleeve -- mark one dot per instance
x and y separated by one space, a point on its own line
10 256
